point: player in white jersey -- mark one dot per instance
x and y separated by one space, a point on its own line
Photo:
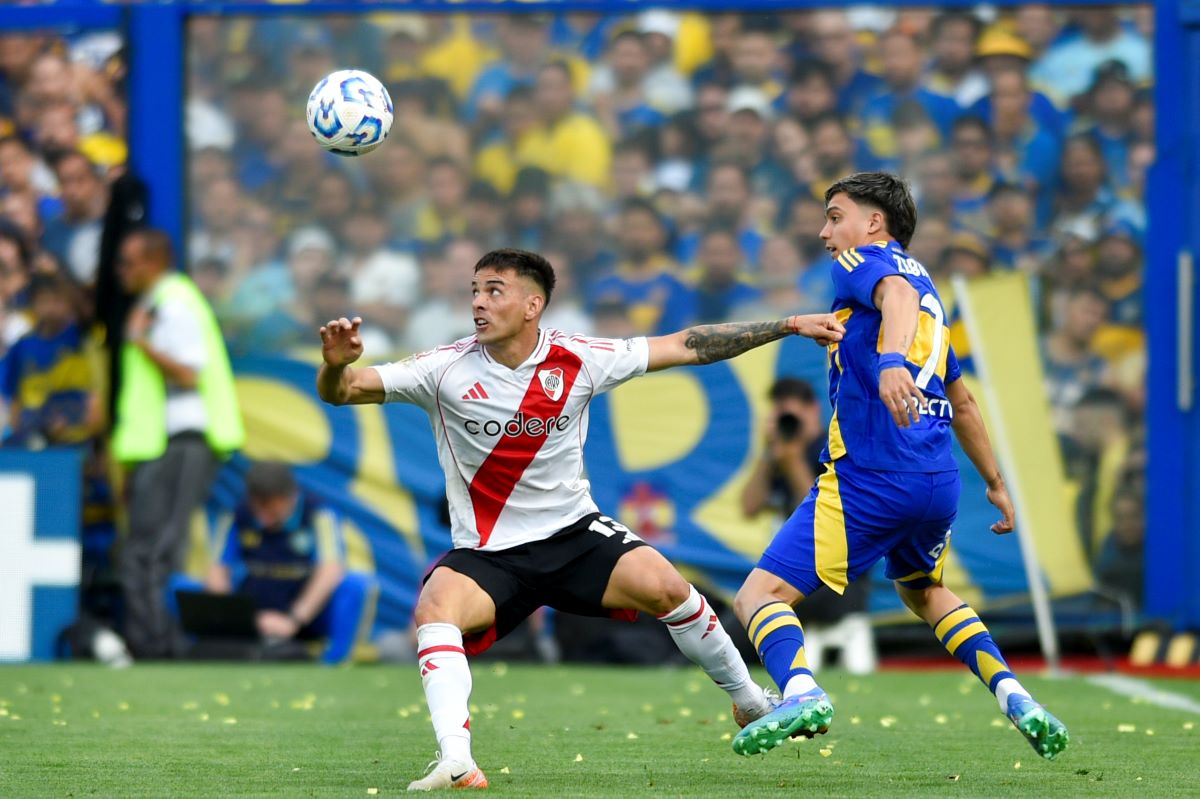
509 409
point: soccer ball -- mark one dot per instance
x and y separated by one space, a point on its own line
349 112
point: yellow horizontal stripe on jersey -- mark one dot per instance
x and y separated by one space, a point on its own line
829 532
789 620
952 620
957 639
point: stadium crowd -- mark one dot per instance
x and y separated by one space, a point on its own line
672 166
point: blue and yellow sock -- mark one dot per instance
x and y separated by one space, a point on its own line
779 640
966 637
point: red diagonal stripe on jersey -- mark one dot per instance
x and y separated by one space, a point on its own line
482 393
499 473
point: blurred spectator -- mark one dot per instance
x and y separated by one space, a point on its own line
567 312
1110 106
953 38
50 378
177 414
23 174
525 48
1069 66
833 151
576 211
445 313
632 170
756 60
903 62
728 207
383 283
1015 240
971 149
834 42
666 89
718 293
441 218
1085 202
1119 565
483 216
527 209
568 143
723 36
398 176
811 91
1027 149
497 162
73 236
1119 274
965 255
781 295
285 550
646 281
1072 366
624 108
220 211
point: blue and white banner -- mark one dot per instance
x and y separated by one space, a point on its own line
40 504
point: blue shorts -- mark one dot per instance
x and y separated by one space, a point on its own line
855 516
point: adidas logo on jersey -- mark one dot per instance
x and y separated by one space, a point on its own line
475 392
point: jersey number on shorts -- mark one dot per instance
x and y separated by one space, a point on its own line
608 527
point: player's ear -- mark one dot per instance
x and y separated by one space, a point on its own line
875 222
534 304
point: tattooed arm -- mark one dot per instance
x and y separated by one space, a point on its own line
709 343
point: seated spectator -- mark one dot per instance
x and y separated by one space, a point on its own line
666 89
723 36
1120 564
506 151
568 143
805 216
811 91
440 218
1110 108
49 378
834 42
622 107
954 35
1119 273
284 549
728 206
398 178
23 173
966 255
446 274
483 215
527 209
646 282
719 286
632 170
1069 66
902 60
1085 201
780 290
15 317
833 152
384 283
418 118
73 237
971 148
575 213
1016 242
756 59
1026 149
220 211
1072 367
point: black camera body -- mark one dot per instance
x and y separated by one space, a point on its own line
788 426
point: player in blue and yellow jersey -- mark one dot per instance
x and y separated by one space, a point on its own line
890 485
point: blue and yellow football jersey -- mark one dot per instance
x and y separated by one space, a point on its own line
862 428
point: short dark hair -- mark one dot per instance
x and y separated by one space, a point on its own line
886 192
52 283
792 388
973 122
955 15
269 479
156 244
524 263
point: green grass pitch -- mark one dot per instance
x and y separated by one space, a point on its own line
298 731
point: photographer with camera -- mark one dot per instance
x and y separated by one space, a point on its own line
791 460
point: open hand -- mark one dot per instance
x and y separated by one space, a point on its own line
823 328
341 345
901 395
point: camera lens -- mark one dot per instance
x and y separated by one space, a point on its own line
788 426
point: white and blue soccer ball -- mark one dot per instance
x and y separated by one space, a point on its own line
349 112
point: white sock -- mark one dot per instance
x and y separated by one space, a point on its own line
446 678
1007 687
800 684
699 635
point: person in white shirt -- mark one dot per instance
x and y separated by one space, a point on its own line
509 409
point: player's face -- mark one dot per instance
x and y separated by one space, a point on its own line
502 305
848 224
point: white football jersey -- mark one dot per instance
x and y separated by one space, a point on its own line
511 440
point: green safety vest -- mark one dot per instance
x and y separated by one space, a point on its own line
141 428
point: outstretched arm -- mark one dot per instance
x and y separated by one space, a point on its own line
709 343
973 436
337 382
